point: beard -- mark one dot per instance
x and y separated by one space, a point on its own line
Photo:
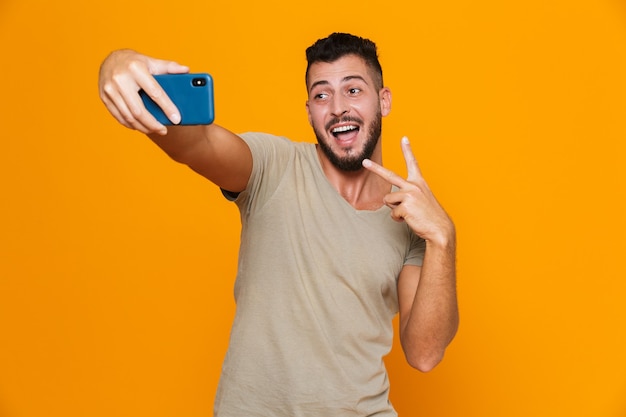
351 161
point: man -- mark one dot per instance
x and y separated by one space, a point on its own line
333 245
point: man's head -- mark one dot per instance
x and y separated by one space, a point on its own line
347 99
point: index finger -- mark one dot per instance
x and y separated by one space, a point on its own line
389 176
157 94
413 169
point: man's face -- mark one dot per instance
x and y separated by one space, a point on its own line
345 108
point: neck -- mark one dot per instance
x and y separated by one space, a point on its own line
362 189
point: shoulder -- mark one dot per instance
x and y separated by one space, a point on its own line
265 139
268 145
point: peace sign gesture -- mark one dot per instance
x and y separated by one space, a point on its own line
413 202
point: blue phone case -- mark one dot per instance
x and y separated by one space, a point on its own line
191 93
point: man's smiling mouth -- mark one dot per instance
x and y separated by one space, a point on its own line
344 129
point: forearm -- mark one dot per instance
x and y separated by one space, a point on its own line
433 318
180 142
212 151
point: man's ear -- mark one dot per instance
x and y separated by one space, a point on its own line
308 112
385 101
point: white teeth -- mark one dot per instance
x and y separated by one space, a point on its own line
344 129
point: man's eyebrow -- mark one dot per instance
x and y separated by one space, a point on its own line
316 83
346 78
354 77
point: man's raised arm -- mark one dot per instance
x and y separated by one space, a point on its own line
214 152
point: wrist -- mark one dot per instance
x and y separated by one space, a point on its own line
445 239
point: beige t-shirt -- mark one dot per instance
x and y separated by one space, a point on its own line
315 291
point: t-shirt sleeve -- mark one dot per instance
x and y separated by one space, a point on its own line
270 154
417 248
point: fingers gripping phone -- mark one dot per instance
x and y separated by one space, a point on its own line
191 93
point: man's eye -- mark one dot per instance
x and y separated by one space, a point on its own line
354 91
321 96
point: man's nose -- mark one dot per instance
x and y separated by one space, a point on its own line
340 106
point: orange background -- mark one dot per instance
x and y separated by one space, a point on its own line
117 264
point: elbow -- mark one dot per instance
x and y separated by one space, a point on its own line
423 356
424 362
425 353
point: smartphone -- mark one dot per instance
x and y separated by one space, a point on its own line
191 93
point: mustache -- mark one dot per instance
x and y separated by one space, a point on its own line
346 119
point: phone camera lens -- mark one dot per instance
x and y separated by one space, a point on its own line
198 82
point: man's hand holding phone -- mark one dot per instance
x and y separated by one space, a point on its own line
122 75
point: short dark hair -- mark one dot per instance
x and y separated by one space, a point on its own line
338 45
